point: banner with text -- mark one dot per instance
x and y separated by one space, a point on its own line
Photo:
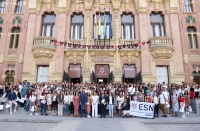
43 74
142 109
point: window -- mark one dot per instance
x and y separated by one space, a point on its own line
0 30
14 38
102 26
19 6
48 25
2 6
10 76
157 25
127 26
77 25
192 37
188 5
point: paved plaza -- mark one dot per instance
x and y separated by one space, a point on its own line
24 122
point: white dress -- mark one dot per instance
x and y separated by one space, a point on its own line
120 101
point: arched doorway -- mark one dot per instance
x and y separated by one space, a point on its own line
9 76
196 77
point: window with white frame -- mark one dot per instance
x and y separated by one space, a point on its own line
96 26
19 6
127 26
77 26
48 25
192 37
14 38
157 25
2 6
188 5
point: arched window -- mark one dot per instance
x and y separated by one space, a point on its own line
192 37
2 6
10 76
19 6
14 38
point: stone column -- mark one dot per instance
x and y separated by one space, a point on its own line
117 72
86 72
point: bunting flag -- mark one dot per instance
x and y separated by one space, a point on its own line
139 44
95 26
83 46
110 27
104 25
99 25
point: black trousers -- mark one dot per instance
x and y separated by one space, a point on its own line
156 108
103 110
71 108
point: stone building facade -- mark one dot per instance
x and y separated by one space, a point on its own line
169 28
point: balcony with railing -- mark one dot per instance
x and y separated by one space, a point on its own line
161 47
43 47
129 43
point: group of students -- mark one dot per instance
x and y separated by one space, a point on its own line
91 99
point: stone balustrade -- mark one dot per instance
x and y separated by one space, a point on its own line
43 47
128 42
161 41
161 47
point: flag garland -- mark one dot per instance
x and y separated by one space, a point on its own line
59 43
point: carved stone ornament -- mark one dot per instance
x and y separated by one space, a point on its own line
162 52
161 47
43 53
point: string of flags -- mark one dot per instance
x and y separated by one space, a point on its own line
132 45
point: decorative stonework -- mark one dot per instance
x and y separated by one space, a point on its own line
43 47
161 47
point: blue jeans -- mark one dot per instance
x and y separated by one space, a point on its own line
66 106
27 107
111 107
43 107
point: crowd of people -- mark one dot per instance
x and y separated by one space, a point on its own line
98 100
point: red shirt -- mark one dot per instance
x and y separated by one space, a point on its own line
182 99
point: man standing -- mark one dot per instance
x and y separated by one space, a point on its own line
162 99
125 107
103 99
12 100
83 98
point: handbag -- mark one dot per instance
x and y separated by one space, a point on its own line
167 104
7 105
21 100
190 109
32 109
181 109
4 95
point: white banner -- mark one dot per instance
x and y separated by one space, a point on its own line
43 74
161 75
142 109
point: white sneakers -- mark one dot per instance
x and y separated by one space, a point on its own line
30 114
187 113
14 110
183 116
11 113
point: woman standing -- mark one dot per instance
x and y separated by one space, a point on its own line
111 104
43 103
141 97
49 100
175 105
95 100
76 104
88 105
148 98
187 101
32 102
135 97
60 100
55 102
66 103
182 104
120 100
71 103
156 102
